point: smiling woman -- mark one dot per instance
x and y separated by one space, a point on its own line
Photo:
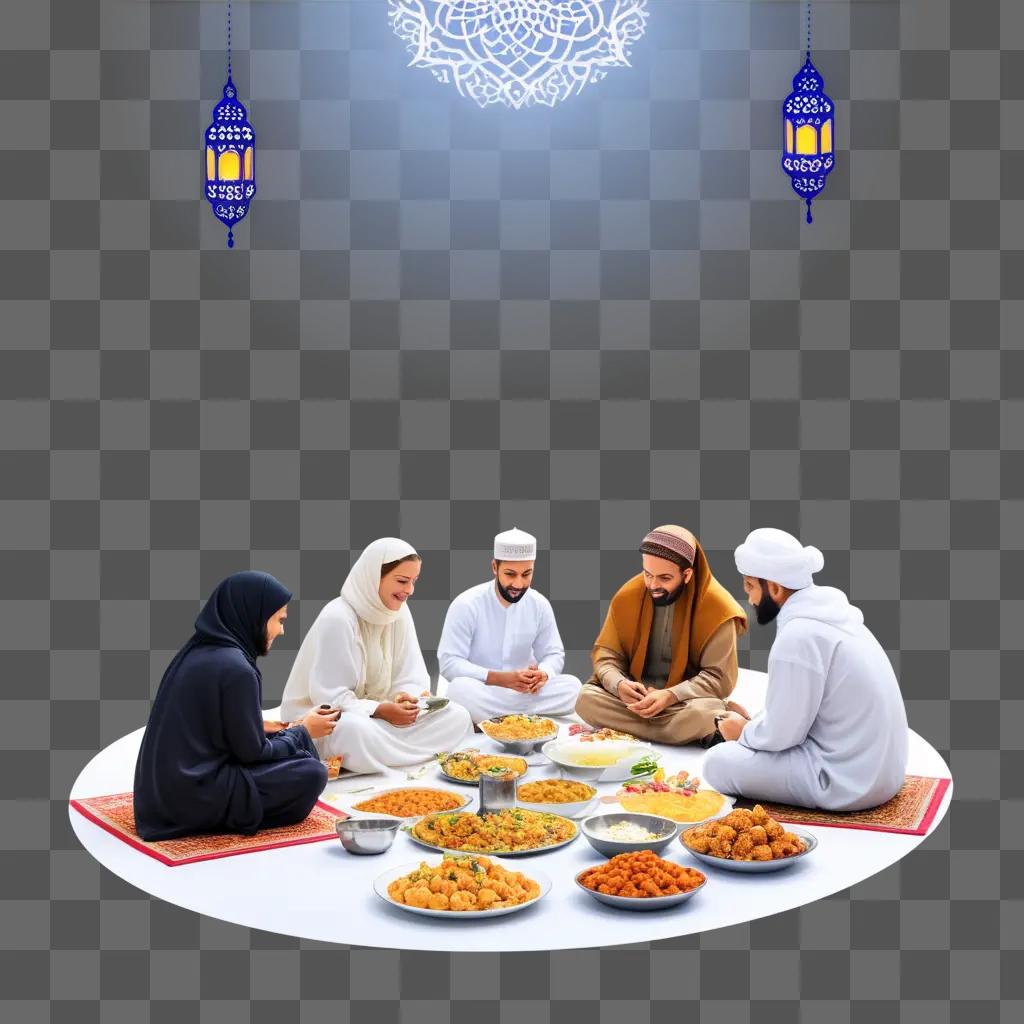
362 657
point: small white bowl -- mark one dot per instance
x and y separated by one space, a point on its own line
572 809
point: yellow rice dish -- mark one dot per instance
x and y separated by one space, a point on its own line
508 831
555 791
463 883
519 727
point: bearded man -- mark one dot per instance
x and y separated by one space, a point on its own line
665 659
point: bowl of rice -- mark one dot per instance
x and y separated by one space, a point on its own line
622 832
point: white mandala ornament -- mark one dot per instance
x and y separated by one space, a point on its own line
519 52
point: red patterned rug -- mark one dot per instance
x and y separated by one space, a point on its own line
910 812
114 814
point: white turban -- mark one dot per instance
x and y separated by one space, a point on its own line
770 554
515 545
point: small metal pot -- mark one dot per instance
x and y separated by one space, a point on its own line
497 791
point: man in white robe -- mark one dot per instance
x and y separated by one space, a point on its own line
833 733
500 650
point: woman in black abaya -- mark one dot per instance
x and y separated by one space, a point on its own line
208 762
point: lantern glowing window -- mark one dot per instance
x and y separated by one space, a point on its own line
230 161
808 117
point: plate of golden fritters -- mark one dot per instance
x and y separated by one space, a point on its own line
461 887
748 840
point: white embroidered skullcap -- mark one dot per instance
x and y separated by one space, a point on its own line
515 546
770 554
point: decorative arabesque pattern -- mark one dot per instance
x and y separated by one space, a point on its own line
519 52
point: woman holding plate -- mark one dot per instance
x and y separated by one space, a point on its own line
362 658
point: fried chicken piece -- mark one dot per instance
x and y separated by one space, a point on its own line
793 839
720 848
760 815
743 848
698 843
758 835
773 829
740 819
725 832
762 852
780 848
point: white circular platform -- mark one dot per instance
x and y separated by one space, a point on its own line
318 891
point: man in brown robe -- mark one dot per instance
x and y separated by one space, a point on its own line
665 660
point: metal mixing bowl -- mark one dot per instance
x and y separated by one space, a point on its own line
368 835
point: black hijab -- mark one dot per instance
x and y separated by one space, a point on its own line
237 612
205 733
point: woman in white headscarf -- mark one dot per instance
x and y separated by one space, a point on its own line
361 657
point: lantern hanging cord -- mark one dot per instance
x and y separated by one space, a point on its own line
808 28
229 36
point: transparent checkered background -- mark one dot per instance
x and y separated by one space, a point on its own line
439 322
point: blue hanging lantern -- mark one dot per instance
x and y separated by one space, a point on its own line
808 127
230 156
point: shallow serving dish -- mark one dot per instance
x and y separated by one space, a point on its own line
382 881
595 828
524 746
368 835
566 755
640 902
362 798
408 830
756 867
476 781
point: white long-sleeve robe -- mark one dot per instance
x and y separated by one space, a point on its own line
833 732
482 635
326 669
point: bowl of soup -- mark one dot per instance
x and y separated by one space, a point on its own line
593 760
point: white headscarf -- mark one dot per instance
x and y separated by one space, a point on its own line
770 554
383 632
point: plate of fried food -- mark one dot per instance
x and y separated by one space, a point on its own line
461 887
748 840
510 832
466 766
557 796
519 734
410 802
640 881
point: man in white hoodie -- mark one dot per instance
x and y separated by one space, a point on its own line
833 732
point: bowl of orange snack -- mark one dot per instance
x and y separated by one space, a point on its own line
411 802
748 840
640 881
557 796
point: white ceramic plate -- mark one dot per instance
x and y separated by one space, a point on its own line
578 809
619 771
755 867
382 881
348 803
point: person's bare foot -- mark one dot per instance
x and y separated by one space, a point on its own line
738 708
